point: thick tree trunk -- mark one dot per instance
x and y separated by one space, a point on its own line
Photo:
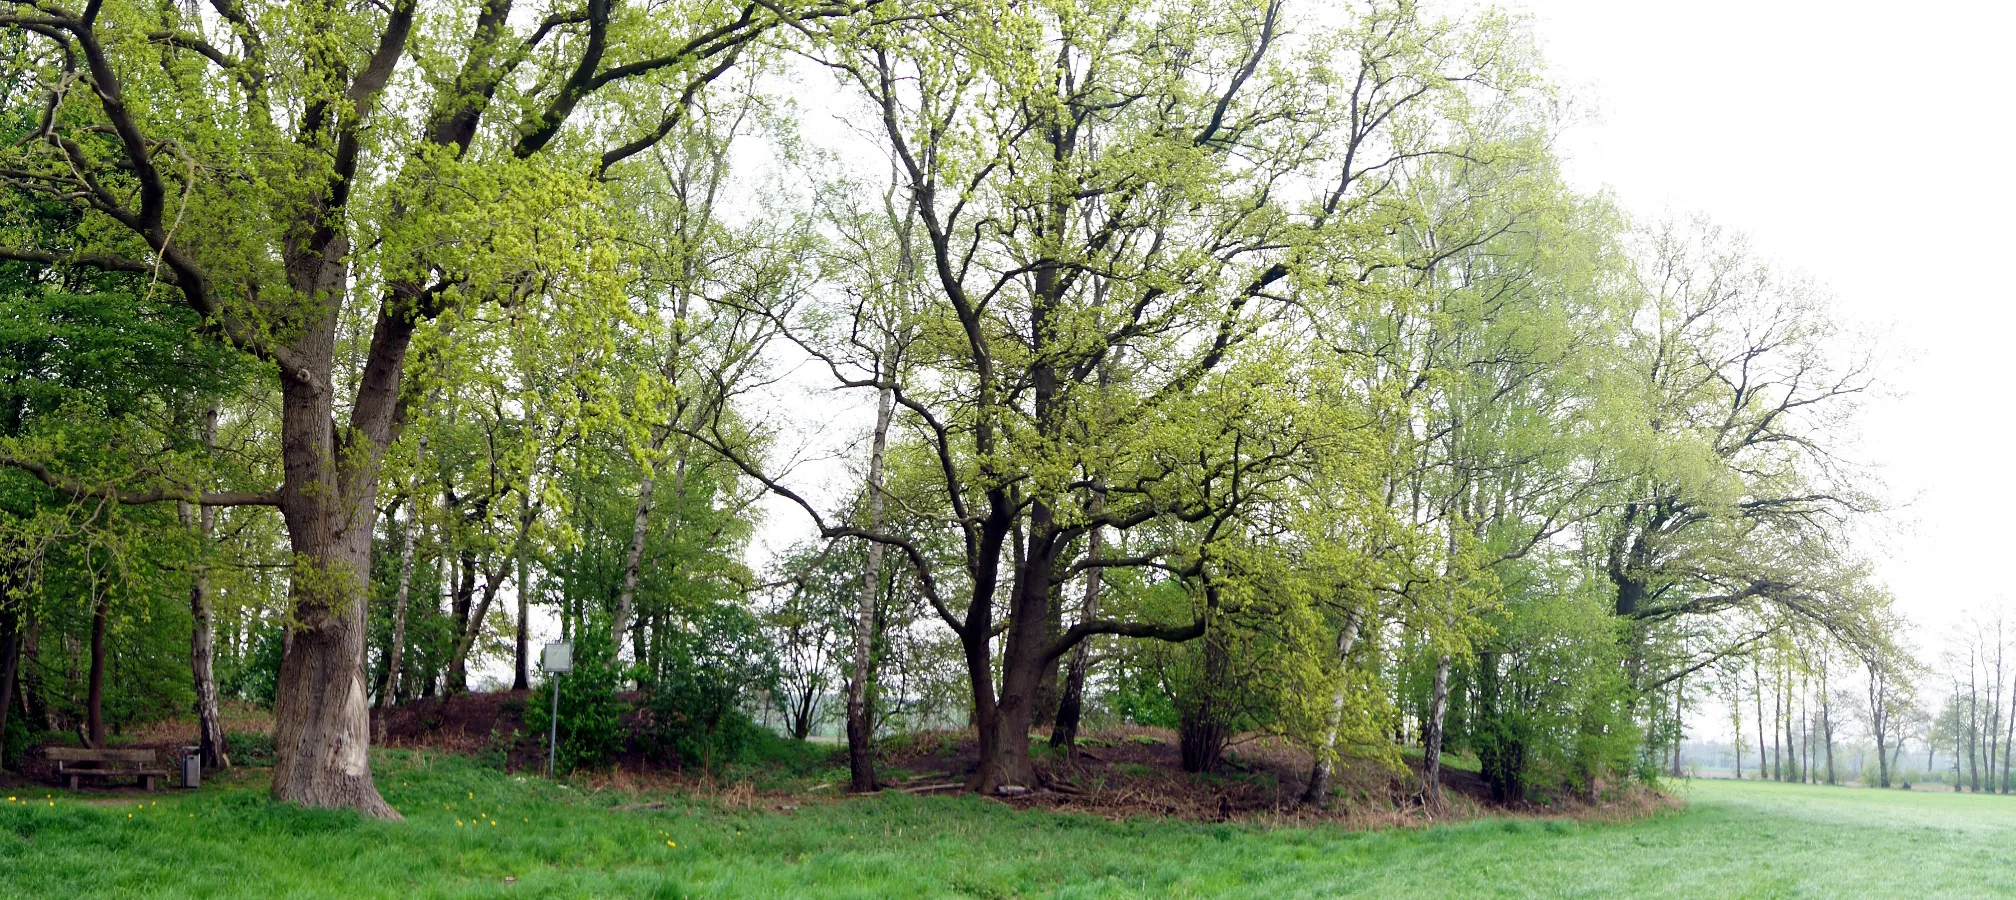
322 723
1049 689
1317 792
1071 706
860 725
1022 660
975 639
1431 740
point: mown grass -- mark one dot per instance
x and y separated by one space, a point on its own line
227 840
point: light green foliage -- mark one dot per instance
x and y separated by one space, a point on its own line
1382 432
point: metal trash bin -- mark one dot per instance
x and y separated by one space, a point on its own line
192 767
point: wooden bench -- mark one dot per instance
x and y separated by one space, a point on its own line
94 764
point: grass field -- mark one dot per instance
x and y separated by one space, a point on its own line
472 831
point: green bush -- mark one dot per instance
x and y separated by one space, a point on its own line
693 707
251 748
256 675
14 742
591 729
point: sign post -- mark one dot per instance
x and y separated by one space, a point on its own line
556 660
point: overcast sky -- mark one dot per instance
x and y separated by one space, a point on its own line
1864 146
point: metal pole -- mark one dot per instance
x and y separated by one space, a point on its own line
553 740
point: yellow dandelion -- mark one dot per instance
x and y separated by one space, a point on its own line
129 815
493 824
670 844
472 795
458 823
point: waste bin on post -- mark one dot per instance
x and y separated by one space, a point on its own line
192 767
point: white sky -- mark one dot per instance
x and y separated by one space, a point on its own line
1859 145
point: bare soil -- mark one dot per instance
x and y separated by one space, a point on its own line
1116 773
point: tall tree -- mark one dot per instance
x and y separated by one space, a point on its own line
257 170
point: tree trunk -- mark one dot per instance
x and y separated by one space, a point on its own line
2008 739
997 764
1757 682
1879 720
1431 741
1317 792
1071 706
521 665
1049 690
626 599
203 633
1679 717
322 724
458 656
94 703
34 703
1792 769
1995 708
1777 731
10 660
1827 733
860 724
1022 664
1205 729
388 694
1973 732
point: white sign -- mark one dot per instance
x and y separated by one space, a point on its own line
558 658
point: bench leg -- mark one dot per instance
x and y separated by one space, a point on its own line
147 781
72 779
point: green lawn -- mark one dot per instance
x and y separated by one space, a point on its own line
1734 840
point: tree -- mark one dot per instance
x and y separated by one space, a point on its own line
1891 671
1093 178
1735 481
257 171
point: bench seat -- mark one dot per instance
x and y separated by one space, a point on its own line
94 764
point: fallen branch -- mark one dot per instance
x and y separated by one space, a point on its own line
928 788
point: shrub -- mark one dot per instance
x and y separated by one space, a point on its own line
255 676
693 707
251 748
591 729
